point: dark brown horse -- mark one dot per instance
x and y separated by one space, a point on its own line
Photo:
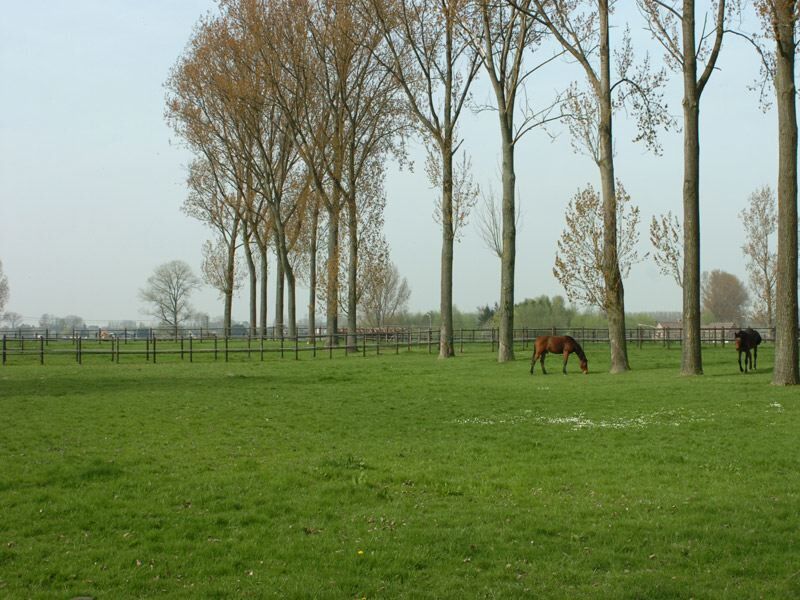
558 344
747 340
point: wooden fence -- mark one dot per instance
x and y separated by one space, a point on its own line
209 344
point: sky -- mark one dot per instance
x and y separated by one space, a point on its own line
92 179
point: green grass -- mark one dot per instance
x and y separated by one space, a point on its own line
398 476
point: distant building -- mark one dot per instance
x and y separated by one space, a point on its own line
668 330
720 330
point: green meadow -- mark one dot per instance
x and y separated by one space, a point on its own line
398 476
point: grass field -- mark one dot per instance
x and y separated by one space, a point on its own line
399 476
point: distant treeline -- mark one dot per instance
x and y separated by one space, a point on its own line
541 312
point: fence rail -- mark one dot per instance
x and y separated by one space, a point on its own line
191 344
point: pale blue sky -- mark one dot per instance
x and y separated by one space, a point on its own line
92 179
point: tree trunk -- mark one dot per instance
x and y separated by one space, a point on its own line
448 236
312 276
332 271
615 293
288 274
691 355
352 272
251 268
262 250
230 274
288 277
786 351
505 350
279 282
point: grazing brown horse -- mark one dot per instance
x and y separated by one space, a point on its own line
558 344
747 340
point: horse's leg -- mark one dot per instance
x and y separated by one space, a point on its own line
534 359
542 361
741 370
755 357
566 357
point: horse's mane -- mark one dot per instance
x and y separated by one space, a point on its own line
578 350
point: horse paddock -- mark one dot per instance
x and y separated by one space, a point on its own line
399 475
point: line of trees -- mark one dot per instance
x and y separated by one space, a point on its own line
292 108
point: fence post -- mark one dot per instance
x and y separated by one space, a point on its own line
215 346
429 340
147 348
118 350
281 346
154 348
296 346
4 348
462 340
191 339
226 347
181 346
80 350
41 351
378 344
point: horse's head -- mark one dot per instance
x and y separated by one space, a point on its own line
737 338
585 366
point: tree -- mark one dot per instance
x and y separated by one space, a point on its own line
486 314
760 223
544 312
3 288
724 296
503 35
209 203
345 114
198 114
665 236
216 273
434 68
683 52
579 260
373 258
14 319
490 222
582 29
386 297
167 293
779 18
